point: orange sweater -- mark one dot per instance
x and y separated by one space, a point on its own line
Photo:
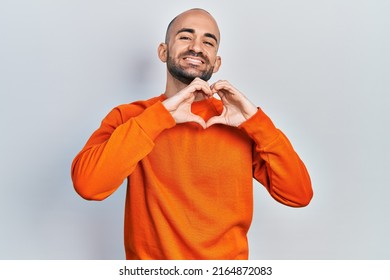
189 192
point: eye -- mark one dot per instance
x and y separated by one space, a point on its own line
209 43
184 38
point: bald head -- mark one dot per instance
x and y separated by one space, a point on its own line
191 47
195 14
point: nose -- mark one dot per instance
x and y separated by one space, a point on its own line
196 45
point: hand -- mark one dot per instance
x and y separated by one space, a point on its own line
179 105
236 107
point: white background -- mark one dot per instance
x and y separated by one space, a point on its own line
319 69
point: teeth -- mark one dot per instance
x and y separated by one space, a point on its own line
196 61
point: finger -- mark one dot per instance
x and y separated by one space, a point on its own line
220 84
215 120
220 93
225 87
200 85
203 88
201 93
198 120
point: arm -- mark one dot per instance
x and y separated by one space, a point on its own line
113 150
276 165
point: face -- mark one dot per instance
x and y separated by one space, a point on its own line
191 47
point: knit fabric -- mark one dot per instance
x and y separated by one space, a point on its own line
189 189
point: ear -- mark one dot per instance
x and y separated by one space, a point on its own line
217 64
163 52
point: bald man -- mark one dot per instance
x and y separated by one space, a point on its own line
190 158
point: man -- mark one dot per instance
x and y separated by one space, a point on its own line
190 158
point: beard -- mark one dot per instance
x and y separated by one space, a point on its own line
186 76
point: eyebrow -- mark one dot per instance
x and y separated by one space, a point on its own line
192 31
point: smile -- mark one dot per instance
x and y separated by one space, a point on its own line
194 60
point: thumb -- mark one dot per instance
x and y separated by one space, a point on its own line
215 120
197 119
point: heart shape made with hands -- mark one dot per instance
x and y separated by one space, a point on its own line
236 107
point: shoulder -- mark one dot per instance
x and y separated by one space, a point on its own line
137 107
124 112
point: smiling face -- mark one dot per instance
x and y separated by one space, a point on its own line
191 46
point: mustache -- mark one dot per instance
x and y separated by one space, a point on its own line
196 54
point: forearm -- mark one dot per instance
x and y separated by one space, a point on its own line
112 152
276 164
289 181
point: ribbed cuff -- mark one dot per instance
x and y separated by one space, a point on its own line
155 119
260 128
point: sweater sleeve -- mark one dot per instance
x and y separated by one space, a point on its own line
276 164
114 149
